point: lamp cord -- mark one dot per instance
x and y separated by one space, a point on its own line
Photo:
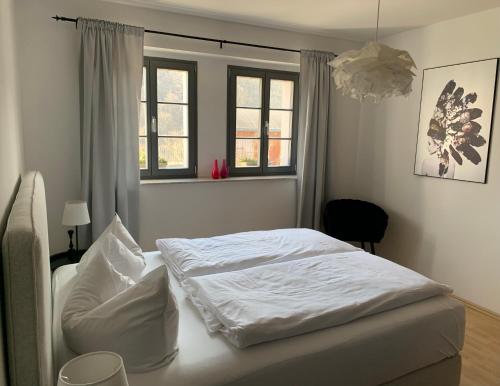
378 18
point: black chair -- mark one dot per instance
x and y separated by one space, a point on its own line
355 220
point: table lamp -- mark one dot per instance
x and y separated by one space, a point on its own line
75 214
101 368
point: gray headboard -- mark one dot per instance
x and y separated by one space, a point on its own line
27 280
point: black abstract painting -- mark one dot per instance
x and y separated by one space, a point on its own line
455 121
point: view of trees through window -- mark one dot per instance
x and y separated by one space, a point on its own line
172 121
165 140
143 124
173 118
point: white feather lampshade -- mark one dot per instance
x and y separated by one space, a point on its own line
374 72
102 368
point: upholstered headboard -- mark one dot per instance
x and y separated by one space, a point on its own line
27 280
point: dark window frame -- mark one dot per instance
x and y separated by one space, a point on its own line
266 76
153 171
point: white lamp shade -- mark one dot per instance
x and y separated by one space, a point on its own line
75 213
101 368
374 72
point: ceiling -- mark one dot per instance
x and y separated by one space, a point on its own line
349 19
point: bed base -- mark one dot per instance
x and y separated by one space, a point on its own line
444 373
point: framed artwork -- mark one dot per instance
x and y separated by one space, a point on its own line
456 114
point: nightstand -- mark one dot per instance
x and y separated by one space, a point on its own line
67 257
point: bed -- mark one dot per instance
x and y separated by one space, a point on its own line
412 345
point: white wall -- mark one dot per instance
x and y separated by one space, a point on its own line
50 111
11 158
445 229
210 208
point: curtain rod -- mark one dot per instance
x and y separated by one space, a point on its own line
220 41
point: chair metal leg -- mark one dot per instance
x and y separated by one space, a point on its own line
372 247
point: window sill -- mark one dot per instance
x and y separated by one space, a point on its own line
211 180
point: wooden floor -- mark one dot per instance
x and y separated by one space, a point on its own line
481 353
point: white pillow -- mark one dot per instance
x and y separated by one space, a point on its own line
120 257
108 311
116 228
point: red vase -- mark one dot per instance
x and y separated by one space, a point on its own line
223 169
215 170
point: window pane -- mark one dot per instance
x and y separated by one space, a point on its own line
172 153
143 125
281 94
247 153
143 152
280 124
248 91
248 123
172 85
143 87
173 120
279 152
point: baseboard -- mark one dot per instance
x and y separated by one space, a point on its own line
476 307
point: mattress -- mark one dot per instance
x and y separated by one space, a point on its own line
369 351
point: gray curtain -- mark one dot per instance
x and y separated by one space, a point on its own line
111 60
315 109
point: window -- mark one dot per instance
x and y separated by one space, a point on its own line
168 119
262 121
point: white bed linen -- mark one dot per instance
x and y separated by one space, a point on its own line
203 256
369 351
266 303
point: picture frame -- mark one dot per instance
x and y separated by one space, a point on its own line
457 105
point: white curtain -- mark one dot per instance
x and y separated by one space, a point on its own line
111 60
315 109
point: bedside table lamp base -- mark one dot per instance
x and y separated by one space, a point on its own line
70 234
76 234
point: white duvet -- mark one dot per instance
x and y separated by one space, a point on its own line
295 297
204 256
